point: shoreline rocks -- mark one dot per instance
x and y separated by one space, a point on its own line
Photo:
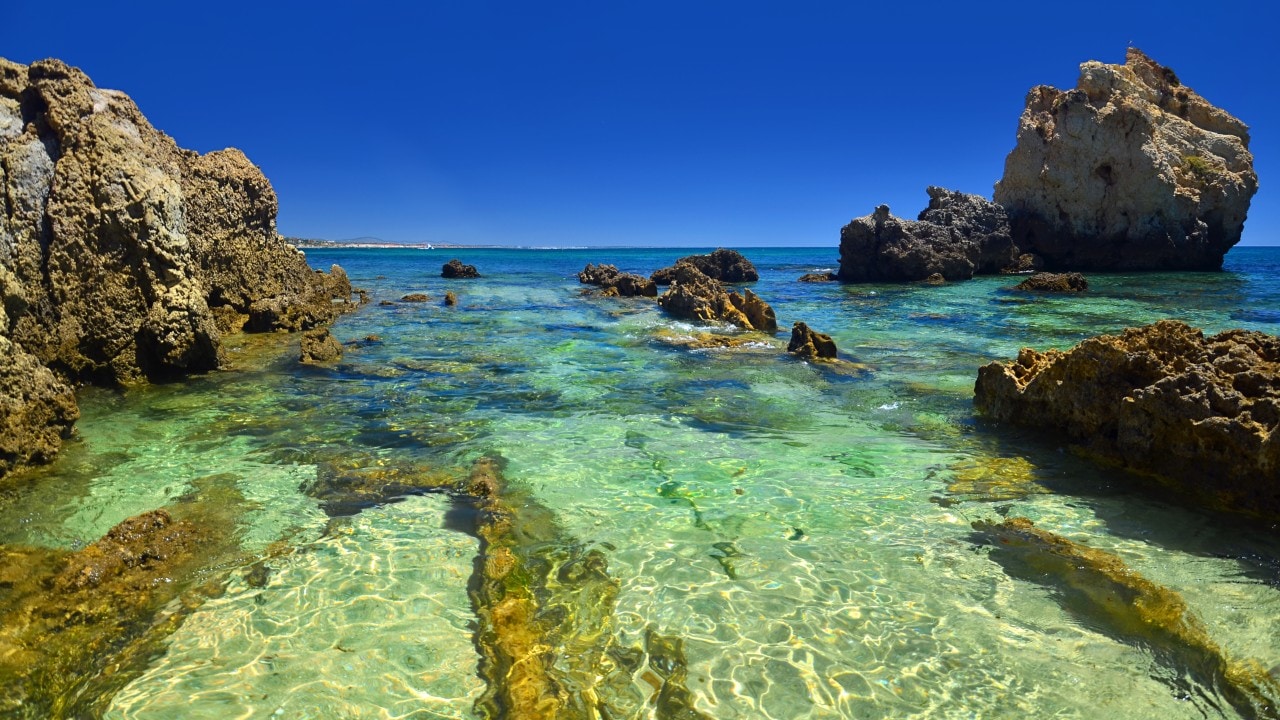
1131 170
454 269
728 266
694 296
616 282
1201 416
124 258
957 236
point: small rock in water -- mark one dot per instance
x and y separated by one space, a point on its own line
455 269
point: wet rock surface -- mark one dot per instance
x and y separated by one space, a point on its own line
1054 282
454 269
1130 170
1198 415
694 296
810 344
957 236
123 257
725 265
624 284
319 347
818 277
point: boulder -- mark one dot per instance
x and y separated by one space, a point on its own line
1054 282
1200 415
318 347
810 344
450 299
694 296
623 284
724 265
416 298
819 277
1131 170
455 269
124 258
957 236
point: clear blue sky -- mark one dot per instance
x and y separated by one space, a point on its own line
698 122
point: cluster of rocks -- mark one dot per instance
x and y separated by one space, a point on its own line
123 257
695 296
614 282
1129 171
1201 415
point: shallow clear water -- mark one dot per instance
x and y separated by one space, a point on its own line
805 531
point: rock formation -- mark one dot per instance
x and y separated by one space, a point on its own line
810 344
957 236
818 277
455 269
724 265
124 257
1201 415
1131 170
1054 282
694 296
623 284
318 346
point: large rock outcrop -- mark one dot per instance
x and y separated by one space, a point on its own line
722 264
694 296
1200 414
122 256
1130 170
957 236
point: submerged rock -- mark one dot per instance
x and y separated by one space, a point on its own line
694 296
728 266
124 257
1131 170
811 344
1106 594
1054 282
455 269
450 299
1200 415
416 298
818 277
318 346
956 236
621 283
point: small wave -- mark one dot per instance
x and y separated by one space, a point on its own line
889 406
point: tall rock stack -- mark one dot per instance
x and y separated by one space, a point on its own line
122 256
1129 171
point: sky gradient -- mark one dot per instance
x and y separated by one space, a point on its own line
611 123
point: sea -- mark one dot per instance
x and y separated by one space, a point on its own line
802 532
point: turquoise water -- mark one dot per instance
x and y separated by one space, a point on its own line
804 530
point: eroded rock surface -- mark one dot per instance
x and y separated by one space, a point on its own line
455 269
725 265
694 296
623 283
809 343
1130 170
1200 414
124 257
1054 282
957 236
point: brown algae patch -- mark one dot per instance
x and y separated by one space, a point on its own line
1102 591
75 627
993 479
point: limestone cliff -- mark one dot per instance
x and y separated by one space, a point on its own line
121 254
1130 170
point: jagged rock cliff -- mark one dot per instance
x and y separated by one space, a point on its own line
122 256
1130 170
1200 414
956 236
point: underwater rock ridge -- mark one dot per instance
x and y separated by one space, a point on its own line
1198 415
123 257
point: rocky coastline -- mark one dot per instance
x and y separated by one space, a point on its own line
123 257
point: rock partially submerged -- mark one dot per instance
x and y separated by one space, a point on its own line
1131 170
956 236
694 296
319 347
622 283
1054 282
454 269
1200 415
811 344
819 277
124 257
725 265
1106 594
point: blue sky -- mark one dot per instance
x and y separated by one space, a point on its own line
655 123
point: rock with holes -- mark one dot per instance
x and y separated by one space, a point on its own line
1131 170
